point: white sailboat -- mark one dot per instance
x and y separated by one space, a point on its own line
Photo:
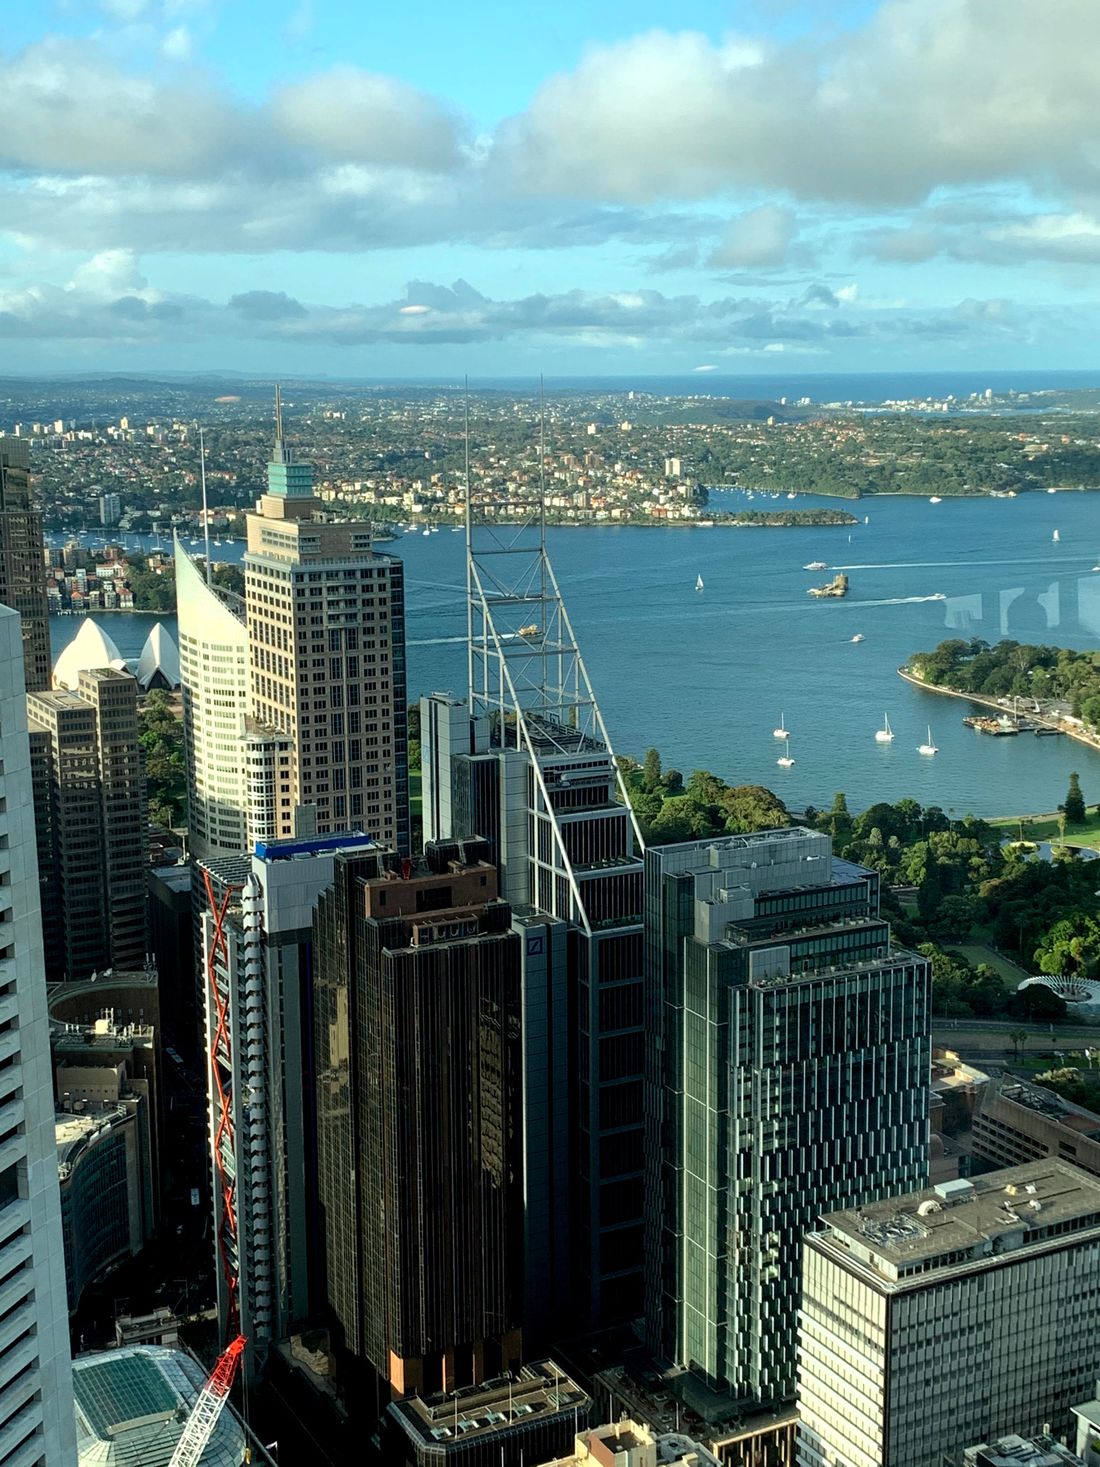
782 732
885 735
1056 537
785 761
698 583
929 747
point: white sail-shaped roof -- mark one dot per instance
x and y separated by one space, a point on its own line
91 647
159 663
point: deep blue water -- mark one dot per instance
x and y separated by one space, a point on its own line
704 676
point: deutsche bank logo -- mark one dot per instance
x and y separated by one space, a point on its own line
534 947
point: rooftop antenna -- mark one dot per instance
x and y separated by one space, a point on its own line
469 545
278 419
205 515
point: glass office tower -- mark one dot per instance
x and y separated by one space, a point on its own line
788 1077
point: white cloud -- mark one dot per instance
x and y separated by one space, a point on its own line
176 45
759 239
926 93
349 113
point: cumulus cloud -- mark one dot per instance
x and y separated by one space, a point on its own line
108 300
1056 239
349 113
760 239
925 93
65 108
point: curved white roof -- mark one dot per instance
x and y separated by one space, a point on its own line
91 647
159 661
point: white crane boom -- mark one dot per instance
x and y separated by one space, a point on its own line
206 1410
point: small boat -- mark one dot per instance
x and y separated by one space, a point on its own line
792 495
782 732
1056 537
859 637
1052 491
929 747
698 583
434 530
885 735
937 596
935 499
816 565
426 531
1096 567
529 631
785 761
866 519
456 530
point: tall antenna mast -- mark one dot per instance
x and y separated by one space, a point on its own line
205 515
469 547
278 418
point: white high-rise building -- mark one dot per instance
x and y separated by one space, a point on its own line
36 1395
238 772
948 1316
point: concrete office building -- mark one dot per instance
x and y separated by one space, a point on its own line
326 647
419 1120
105 1064
521 1416
949 1316
789 1075
91 822
110 508
22 561
1017 1122
258 945
1015 1451
36 1424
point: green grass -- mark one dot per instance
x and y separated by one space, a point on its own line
977 952
416 808
1047 827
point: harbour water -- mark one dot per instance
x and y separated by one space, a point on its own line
705 675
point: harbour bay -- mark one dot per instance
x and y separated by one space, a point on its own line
705 675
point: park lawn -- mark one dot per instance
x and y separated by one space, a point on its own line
415 798
1010 974
1046 827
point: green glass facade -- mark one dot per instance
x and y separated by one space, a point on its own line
788 1076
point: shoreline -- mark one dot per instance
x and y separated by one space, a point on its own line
1091 741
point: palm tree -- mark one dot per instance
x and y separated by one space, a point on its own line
1018 1037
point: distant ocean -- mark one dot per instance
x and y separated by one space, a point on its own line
865 387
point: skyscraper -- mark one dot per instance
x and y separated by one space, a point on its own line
419 1119
949 1316
22 564
294 698
259 979
91 821
524 761
238 771
326 645
36 1399
789 1065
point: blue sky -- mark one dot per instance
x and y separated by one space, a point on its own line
325 186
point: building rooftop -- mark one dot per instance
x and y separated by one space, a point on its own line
131 1404
535 1391
75 1130
1018 1451
967 1221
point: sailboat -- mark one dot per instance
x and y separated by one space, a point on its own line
698 583
785 761
1056 537
929 747
885 735
782 732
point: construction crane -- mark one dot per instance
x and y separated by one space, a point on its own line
206 1410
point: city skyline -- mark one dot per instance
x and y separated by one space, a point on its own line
722 192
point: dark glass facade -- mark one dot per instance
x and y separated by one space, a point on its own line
419 1123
